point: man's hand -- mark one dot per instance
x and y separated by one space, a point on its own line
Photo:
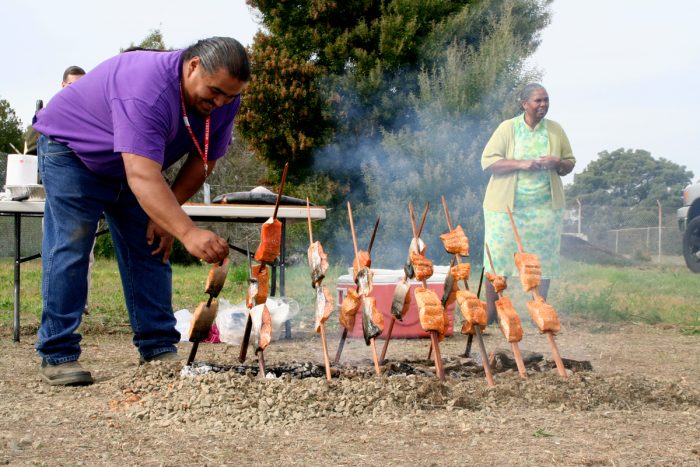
205 245
165 246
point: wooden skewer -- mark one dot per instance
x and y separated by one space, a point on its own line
422 221
308 218
352 230
468 350
555 354
279 194
193 352
514 345
261 364
413 219
484 356
536 294
246 339
388 338
249 322
373 344
341 344
477 329
439 370
374 234
326 359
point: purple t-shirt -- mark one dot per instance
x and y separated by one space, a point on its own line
131 103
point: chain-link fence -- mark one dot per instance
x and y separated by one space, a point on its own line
647 233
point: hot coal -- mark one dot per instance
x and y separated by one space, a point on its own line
455 367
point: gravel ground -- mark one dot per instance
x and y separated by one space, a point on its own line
640 404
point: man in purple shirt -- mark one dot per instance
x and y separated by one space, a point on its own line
105 141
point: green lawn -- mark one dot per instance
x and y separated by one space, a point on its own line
598 293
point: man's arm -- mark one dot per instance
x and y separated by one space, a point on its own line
162 206
190 177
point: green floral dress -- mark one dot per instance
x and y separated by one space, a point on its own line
539 225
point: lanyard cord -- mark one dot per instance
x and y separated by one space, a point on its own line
203 154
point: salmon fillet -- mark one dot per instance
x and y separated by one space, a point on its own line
324 306
461 271
509 320
202 319
544 315
401 301
473 310
372 319
456 242
216 278
498 282
348 309
318 262
430 311
422 266
529 270
270 241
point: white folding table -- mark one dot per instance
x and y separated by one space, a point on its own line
245 213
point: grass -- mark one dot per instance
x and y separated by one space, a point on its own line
606 294
666 294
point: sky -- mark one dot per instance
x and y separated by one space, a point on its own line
620 73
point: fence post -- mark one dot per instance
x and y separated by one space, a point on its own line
660 223
648 231
617 234
579 216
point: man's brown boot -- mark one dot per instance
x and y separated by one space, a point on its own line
65 374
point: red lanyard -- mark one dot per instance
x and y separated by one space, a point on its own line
205 154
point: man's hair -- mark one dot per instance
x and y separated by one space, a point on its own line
221 52
72 70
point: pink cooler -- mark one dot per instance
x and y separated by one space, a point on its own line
385 281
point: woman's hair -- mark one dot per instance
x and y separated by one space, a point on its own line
221 52
527 91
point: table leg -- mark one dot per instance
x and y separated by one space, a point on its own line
18 237
283 254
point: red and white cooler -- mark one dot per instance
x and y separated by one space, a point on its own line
385 281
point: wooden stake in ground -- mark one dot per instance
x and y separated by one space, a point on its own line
367 315
477 328
246 334
316 260
205 314
434 336
514 316
344 335
538 302
406 289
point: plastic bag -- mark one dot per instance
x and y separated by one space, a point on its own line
231 319
183 318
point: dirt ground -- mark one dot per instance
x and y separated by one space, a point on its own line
639 405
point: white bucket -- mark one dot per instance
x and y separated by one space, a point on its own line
22 169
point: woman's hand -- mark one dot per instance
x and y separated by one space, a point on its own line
549 162
530 165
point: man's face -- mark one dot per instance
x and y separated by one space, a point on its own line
205 91
70 79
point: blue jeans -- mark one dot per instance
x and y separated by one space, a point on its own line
76 198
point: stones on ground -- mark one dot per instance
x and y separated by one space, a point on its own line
235 398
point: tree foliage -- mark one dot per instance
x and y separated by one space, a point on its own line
630 178
402 93
11 133
153 41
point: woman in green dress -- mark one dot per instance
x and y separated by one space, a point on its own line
526 157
